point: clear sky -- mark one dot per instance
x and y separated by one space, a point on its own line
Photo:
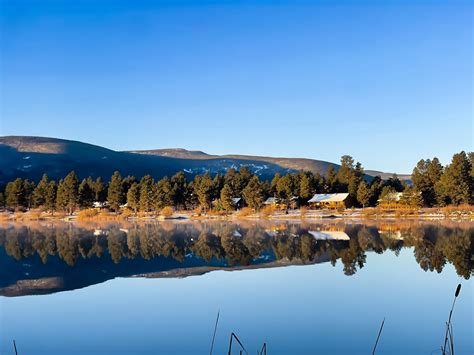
388 82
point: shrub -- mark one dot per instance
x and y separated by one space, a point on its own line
244 212
87 214
267 210
167 212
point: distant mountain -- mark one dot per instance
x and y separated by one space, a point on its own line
30 157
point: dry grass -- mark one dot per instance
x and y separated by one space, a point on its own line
89 214
303 211
267 211
167 212
245 212
461 209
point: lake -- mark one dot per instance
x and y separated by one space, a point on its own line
301 287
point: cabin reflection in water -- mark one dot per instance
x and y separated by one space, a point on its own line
45 258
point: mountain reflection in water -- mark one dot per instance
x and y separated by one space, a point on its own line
47 258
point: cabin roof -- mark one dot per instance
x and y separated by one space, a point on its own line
271 200
339 197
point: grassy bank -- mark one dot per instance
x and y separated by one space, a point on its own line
464 212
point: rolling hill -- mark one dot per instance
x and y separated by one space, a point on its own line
30 157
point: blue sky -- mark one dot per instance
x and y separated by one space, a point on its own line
387 82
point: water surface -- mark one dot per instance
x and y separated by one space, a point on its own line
300 287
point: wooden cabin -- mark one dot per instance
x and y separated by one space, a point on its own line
335 201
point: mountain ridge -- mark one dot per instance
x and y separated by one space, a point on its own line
31 156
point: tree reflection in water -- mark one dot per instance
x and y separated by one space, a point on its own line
228 244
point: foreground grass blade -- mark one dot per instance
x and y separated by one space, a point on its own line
215 330
233 336
378 337
449 336
14 346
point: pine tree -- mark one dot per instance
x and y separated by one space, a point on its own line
162 194
28 188
68 193
127 182
146 193
2 200
411 197
425 176
100 190
363 194
39 194
179 190
456 185
15 194
305 188
253 193
231 179
226 198
203 187
376 186
274 184
114 192
61 196
86 193
331 179
133 197
51 196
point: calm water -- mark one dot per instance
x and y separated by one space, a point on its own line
303 288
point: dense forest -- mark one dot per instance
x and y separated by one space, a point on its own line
432 185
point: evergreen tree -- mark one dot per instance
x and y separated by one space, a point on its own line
127 182
346 170
100 190
363 194
305 188
61 196
395 183
331 179
133 197
28 188
274 184
51 196
115 192
86 193
217 185
425 176
411 197
179 190
388 195
456 184
226 198
68 193
286 187
39 194
231 179
243 179
376 186
162 194
253 193
15 194
2 200
146 193
203 187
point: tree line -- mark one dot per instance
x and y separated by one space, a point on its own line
433 185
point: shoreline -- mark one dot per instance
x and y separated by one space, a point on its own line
291 215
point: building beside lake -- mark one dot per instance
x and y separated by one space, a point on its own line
336 201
